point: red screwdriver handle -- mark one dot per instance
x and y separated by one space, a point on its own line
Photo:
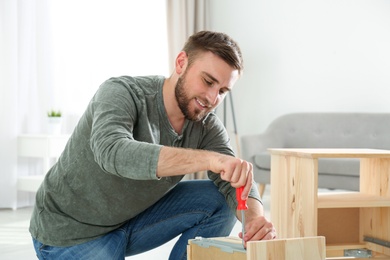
241 203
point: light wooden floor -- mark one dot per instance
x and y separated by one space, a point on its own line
16 244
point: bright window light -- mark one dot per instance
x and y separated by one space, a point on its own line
94 40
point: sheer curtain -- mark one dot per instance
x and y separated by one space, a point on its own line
8 97
184 19
25 78
55 54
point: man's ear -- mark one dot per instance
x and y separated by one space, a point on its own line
181 62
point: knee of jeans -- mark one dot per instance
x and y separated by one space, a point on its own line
224 212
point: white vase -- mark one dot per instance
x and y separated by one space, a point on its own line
54 125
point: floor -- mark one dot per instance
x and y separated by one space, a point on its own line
15 240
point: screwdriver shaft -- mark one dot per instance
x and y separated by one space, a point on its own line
243 227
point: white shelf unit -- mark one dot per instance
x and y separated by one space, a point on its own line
42 146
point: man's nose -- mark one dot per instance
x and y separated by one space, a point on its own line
213 97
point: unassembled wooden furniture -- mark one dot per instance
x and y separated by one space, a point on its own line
46 147
230 248
351 221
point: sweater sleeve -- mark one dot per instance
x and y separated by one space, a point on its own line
113 114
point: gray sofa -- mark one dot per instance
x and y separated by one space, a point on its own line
319 130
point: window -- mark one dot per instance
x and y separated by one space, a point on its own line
93 40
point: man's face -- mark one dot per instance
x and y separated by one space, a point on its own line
204 85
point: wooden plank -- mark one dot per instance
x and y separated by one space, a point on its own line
197 252
312 248
351 200
381 251
375 180
337 250
294 185
376 225
331 153
375 176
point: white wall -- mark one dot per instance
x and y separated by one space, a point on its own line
306 55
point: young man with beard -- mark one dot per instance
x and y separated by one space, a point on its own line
116 190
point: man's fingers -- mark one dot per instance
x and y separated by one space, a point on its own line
265 233
236 176
238 172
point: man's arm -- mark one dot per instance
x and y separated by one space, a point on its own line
177 161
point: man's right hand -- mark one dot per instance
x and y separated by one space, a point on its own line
234 170
178 161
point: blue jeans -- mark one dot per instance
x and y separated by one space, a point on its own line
191 209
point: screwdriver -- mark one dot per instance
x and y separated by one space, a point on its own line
241 206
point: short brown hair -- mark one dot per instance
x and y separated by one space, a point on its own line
218 43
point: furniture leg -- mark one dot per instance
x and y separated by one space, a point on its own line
375 222
261 187
294 187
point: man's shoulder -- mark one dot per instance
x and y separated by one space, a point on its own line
146 81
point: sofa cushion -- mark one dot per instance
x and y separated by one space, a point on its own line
329 166
331 130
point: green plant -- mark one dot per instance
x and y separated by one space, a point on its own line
53 113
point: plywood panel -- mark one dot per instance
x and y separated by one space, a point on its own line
195 252
218 248
339 226
294 196
312 248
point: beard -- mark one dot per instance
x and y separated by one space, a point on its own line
184 101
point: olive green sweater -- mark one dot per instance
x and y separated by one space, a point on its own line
107 173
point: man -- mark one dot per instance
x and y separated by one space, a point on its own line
116 191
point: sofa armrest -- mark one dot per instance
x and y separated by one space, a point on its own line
252 145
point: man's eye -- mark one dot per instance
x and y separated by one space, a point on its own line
208 82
